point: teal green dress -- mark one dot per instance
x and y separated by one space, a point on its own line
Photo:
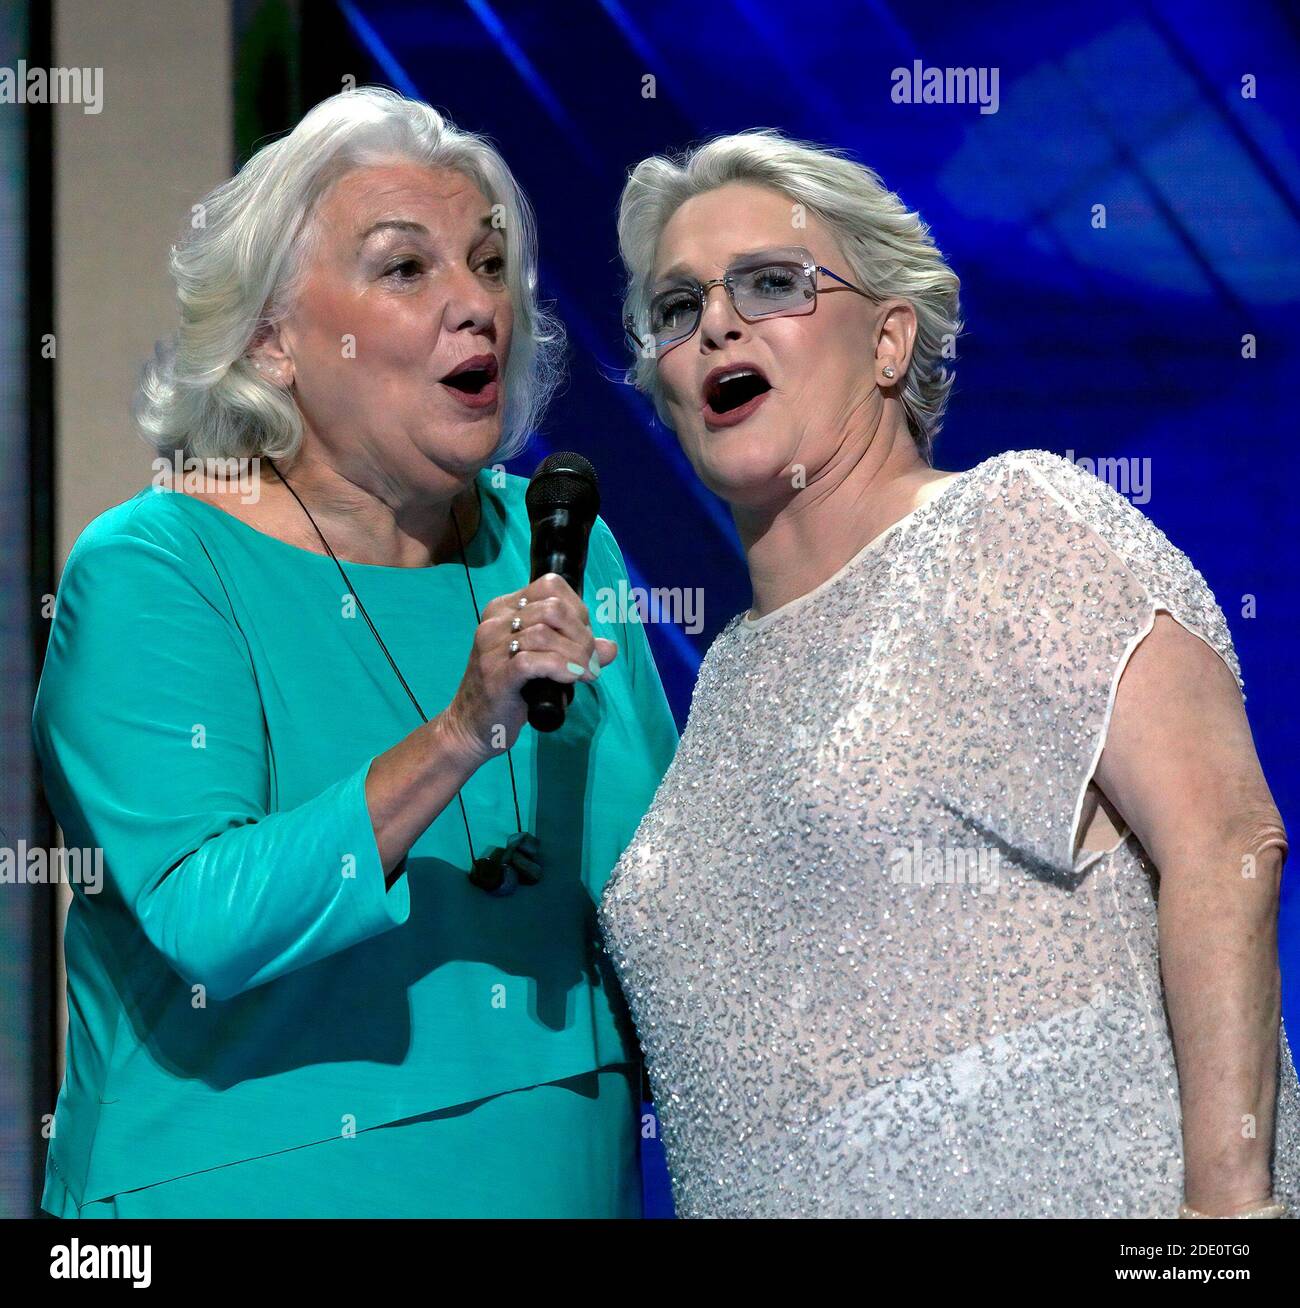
256 1025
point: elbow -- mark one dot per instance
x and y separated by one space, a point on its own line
1255 835
1219 853
212 977
1231 848
190 951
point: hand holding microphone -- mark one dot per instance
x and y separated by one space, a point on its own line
563 499
550 632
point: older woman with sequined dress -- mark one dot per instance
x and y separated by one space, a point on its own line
960 894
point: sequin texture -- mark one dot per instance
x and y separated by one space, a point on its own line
870 975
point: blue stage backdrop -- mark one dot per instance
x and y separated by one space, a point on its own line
1159 338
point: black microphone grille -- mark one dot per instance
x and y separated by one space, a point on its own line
564 478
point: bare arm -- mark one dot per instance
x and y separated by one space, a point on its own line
410 784
1180 765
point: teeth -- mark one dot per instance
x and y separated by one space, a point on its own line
736 373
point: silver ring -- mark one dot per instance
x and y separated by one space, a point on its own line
514 648
516 623
523 599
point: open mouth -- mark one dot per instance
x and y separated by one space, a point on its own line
728 390
474 376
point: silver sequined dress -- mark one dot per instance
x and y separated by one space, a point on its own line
869 973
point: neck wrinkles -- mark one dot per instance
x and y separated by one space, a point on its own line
363 527
850 502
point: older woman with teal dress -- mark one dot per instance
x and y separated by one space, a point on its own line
286 711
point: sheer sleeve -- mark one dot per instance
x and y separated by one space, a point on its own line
149 728
1061 583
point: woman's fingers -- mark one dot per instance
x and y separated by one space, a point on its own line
555 643
553 585
553 632
529 665
557 612
545 587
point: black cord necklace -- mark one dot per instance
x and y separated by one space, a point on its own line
501 870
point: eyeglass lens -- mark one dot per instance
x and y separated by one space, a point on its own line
760 288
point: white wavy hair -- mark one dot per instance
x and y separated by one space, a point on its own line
239 268
888 249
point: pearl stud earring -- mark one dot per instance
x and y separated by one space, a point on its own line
888 371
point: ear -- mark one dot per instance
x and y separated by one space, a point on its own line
895 337
269 357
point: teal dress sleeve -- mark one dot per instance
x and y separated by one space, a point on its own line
163 756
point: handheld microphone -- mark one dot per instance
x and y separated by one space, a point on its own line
563 499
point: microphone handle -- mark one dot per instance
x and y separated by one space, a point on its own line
547 700
554 551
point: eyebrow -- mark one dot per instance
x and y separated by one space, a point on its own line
679 269
408 225
400 224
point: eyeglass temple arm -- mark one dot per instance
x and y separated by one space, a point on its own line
841 280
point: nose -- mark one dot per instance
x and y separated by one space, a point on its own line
719 321
470 305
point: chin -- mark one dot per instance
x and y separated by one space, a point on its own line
463 452
743 466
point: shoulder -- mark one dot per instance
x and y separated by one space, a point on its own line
1086 495
1014 476
136 589
603 545
149 545
1048 536
150 518
1034 494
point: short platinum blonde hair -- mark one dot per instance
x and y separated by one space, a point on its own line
239 269
889 250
